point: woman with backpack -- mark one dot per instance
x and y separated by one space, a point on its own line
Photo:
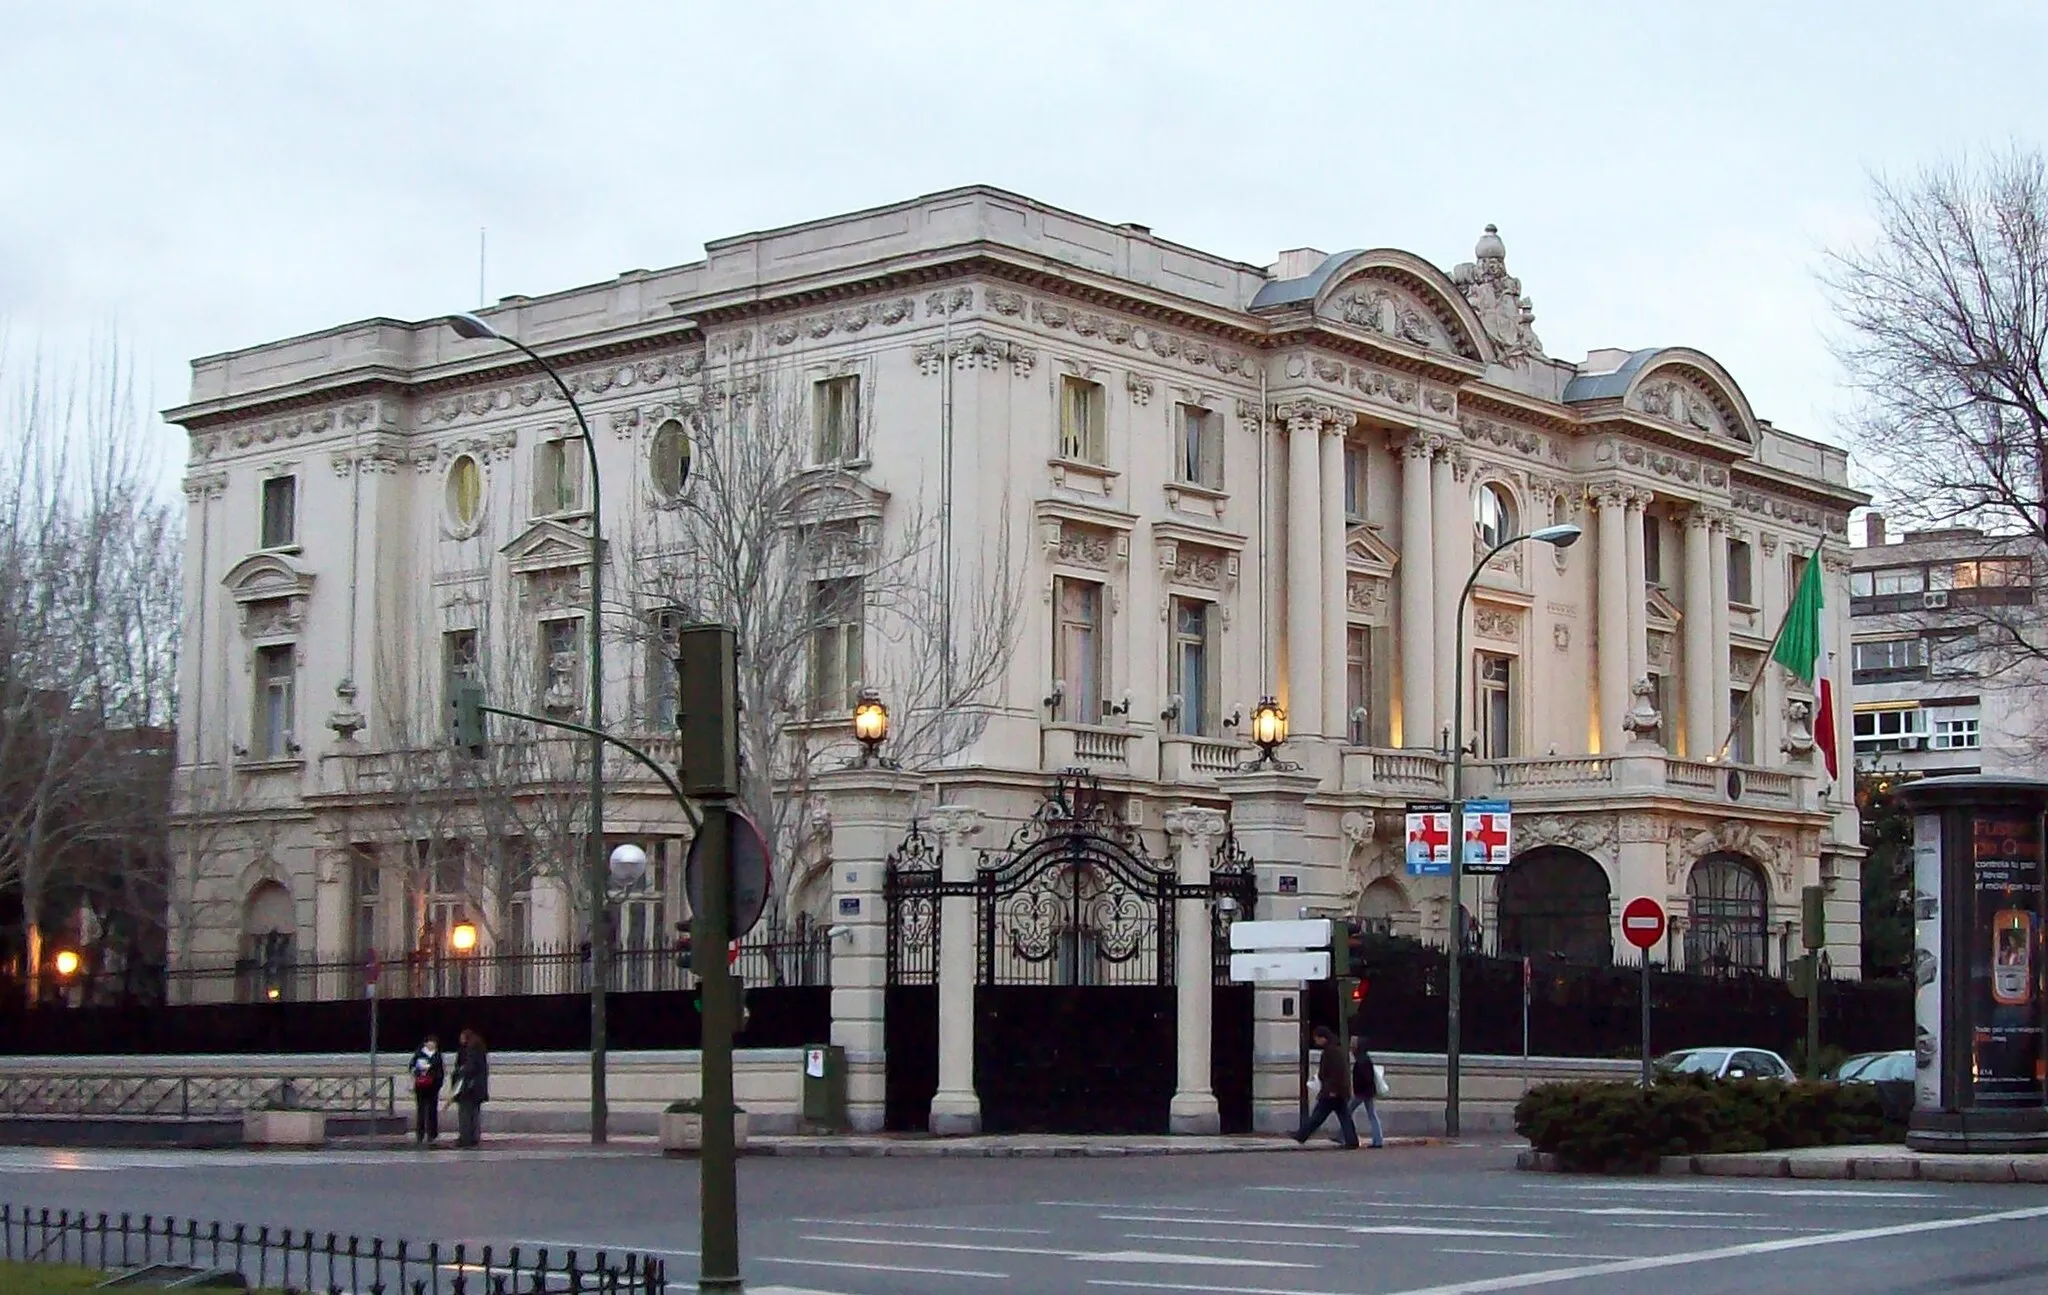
428 1069
472 1087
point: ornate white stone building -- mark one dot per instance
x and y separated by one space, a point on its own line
1222 481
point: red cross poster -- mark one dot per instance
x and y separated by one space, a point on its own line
1488 835
1429 840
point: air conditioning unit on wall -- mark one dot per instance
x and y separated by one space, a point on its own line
1934 599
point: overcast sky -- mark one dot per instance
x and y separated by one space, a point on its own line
204 176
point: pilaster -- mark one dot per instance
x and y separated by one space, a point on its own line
1700 711
956 1107
1304 699
1611 507
1453 553
1335 721
1194 1108
1417 576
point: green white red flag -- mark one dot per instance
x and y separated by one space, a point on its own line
1801 649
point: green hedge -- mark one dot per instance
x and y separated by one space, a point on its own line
1621 1127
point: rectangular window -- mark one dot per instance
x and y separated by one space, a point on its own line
557 477
1200 461
561 664
458 660
1358 684
837 608
1993 573
1192 672
280 512
1355 460
275 678
1742 750
1861 584
1959 734
835 421
1741 574
1077 649
1082 404
1897 580
1496 706
369 887
1891 654
1653 549
1890 730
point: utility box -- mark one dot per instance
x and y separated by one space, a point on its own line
825 1087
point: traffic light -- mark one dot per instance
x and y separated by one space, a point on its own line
1813 911
707 709
1358 991
466 718
683 958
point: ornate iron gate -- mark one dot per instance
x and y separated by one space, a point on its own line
1075 966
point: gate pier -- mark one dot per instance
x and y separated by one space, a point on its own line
869 810
1194 1108
956 1107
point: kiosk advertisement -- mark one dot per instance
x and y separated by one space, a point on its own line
2004 952
1927 961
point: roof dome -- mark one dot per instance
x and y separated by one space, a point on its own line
1489 245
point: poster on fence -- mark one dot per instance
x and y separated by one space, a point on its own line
1429 839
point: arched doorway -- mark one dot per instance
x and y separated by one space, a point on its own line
1554 902
1727 916
270 925
1383 906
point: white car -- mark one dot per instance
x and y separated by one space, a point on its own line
1726 1063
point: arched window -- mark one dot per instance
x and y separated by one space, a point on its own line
269 932
1382 905
1554 904
1493 513
1726 916
465 489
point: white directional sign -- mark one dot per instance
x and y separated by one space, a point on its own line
1274 964
1311 933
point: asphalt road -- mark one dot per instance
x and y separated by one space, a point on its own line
1417 1221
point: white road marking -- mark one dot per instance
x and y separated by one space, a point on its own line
791 1290
1135 1205
1236 1223
1667 1226
1084 1256
883 1268
1650 1263
1172 1261
1219 1290
912 1243
1732 1188
1435 1210
1419 1230
1525 1254
1242 1241
924 1227
587 1247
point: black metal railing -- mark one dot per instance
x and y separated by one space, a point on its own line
797 954
309 1262
192 1097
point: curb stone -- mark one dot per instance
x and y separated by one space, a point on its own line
1875 1168
1989 1169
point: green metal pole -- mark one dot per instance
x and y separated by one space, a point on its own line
1813 1015
719 1260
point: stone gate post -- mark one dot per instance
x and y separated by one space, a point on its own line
956 1107
1269 815
1194 1107
869 811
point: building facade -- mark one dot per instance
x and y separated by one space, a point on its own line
1936 693
1194 483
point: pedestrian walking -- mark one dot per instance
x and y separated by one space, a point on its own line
1333 1078
1365 1089
429 1071
472 1087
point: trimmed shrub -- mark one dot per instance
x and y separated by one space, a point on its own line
1623 1128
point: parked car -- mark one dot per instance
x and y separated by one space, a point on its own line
1726 1063
1875 1068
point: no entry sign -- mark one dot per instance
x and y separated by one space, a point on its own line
1642 922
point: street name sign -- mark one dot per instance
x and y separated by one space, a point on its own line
1309 933
1290 965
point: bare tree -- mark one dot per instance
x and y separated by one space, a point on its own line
1946 345
833 587
89 591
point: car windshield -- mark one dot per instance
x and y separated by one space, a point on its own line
1855 1066
1695 1061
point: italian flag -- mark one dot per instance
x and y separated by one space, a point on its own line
1800 649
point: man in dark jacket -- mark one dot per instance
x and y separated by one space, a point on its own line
473 1088
1365 1089
427 1070
1333 1076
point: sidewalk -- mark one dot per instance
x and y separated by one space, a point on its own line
913 1146
1888 1163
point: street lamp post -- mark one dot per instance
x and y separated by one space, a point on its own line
1563 537
476 329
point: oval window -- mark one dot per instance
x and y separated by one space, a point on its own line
669 459
465 490
1493 514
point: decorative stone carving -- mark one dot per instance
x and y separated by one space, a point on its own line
1561 637
345 719
1502 435
1200 567
1195 352
1685 848
1659 645
1502 624
949 301
975 351
954 824
1194 822
1005 303
1366 595
1140 387
1642 721
1798 741
1592 835
1385 386
1084 546
1496 297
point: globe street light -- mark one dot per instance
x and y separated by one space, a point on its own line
474 329
66 963
1562 537
462 938
870 724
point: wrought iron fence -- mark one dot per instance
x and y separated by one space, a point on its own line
307 1261
192 1097
793 954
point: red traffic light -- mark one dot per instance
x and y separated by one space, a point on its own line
1358 988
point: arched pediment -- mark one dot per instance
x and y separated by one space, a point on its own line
265 576
828 495
1406 300
546 545
1676 385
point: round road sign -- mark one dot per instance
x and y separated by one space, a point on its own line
749 860
1642 922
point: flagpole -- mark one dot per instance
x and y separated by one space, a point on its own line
1756 684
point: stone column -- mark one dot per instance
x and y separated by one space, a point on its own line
1700 710
1269 814
1717 603
1638 591
1336 720
956 1108
1613 618
548 914
1453 566
1304 572
330 906
1418 598
868 813
1194 1099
